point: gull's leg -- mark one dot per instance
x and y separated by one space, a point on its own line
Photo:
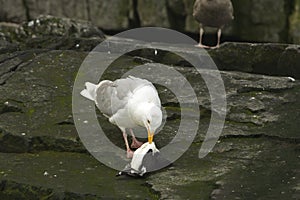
135 143
200 39
201 35
219 39
129 152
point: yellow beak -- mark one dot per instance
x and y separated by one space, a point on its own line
150 136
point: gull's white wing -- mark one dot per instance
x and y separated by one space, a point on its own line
112 97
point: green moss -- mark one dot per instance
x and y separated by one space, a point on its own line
196 190
30 112
238 124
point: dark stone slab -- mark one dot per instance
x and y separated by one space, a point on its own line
259 147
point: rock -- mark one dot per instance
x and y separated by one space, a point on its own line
8 31
258 58
153 13
248 177
50 32
12 11
12 143
255 20
111 14
251 98
6 46
294 24
191 24
52 175
176 14
175 6
290 59
269 59
54 26
194 178
266 20
69 9
118 17
11 106
259 146
40 85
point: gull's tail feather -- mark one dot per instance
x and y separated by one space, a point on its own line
89 91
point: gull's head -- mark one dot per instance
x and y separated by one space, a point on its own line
152 119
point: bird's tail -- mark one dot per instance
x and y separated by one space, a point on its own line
89 91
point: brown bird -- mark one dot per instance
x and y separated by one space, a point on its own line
212 13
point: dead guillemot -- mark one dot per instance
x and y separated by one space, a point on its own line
145 159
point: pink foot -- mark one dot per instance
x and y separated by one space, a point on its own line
202 46
136 144
215 47
129 153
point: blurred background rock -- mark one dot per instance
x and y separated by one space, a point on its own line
255 20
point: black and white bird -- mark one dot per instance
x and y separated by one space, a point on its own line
128 103
145 159
212 13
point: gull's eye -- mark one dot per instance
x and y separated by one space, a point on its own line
148 121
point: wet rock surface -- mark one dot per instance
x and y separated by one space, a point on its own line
257 155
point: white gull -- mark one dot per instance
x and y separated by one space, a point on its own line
127 103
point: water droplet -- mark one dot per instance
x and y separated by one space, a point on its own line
77 45
85 121
23 134
31 23
155 52
46 173
291 79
